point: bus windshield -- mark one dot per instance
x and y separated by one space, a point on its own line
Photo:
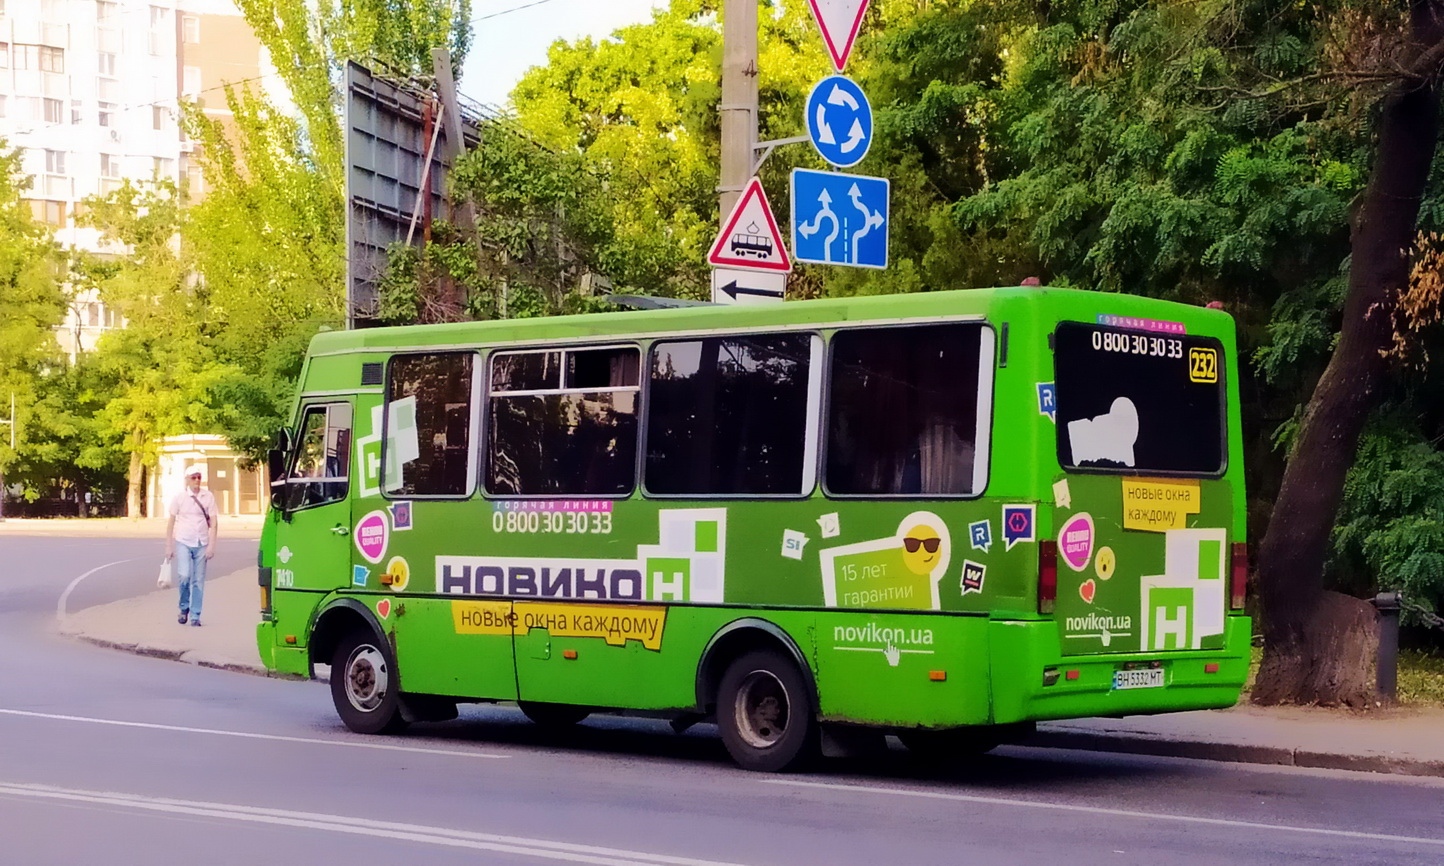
1139 402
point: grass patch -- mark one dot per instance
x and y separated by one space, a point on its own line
1421 677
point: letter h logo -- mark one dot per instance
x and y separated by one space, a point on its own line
668 578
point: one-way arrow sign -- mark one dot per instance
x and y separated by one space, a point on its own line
839 21
736 286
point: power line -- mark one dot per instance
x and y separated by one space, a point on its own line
481 18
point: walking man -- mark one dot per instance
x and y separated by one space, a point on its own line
190 536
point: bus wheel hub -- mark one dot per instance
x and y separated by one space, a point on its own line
762 709
366 679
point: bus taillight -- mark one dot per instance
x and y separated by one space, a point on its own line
1047 575
1238 585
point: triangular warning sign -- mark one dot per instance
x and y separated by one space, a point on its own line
749 236
839 21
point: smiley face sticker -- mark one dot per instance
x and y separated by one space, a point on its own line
921 548
1105 562
399 572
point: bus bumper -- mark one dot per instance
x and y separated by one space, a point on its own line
1032 680
285 660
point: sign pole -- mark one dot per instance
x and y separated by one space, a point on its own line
739 100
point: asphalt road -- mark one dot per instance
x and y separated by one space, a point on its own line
118 759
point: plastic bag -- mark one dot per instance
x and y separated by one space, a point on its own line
163 580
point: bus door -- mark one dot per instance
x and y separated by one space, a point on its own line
1144 508
313 543
416 546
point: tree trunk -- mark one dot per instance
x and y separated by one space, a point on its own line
1317 644
135 480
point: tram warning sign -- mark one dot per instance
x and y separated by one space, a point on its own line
750 238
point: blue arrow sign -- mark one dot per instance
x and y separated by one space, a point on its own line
839 120
839 219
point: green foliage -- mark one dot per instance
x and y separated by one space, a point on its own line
267 240
397 34
156 369
1390 531
31 304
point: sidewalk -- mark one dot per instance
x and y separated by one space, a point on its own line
1404 741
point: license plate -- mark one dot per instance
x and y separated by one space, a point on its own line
1149 678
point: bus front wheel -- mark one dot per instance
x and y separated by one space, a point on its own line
364 686
765 713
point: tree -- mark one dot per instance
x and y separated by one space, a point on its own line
608 167
267 240
1208 152
1318 642
31 304
160 366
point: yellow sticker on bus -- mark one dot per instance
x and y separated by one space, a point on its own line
1159 504
616 624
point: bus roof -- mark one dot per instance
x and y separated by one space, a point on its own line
992 303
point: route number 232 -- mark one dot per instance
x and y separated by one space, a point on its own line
1203 365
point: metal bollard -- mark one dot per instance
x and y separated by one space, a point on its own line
1386 678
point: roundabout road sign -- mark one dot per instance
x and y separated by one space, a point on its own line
839 120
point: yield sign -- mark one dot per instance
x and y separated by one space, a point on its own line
749 236
839 21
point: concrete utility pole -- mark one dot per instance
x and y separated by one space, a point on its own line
739 99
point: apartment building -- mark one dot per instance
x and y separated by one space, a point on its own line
90 93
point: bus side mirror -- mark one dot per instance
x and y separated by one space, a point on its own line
276 466
276 470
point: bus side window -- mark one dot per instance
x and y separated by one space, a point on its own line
728 416
319 473
903 418
563 422
427 448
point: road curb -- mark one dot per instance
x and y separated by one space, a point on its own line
1233 753
189 657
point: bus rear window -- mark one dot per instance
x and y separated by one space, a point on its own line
1139 402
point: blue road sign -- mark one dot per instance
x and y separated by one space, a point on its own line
839 120
839 219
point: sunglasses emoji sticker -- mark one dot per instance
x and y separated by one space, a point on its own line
921 549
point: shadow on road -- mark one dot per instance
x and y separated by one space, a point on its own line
1010 768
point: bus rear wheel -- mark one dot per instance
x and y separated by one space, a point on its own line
766 715
364 686
553 716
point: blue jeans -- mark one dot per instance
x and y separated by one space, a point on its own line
190 576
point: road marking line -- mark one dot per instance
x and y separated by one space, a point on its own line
543 848
250 736
64 596
1099 810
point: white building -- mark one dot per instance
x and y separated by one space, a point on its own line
237 490
90 92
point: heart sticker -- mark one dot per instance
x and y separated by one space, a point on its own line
1087 590
383 607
